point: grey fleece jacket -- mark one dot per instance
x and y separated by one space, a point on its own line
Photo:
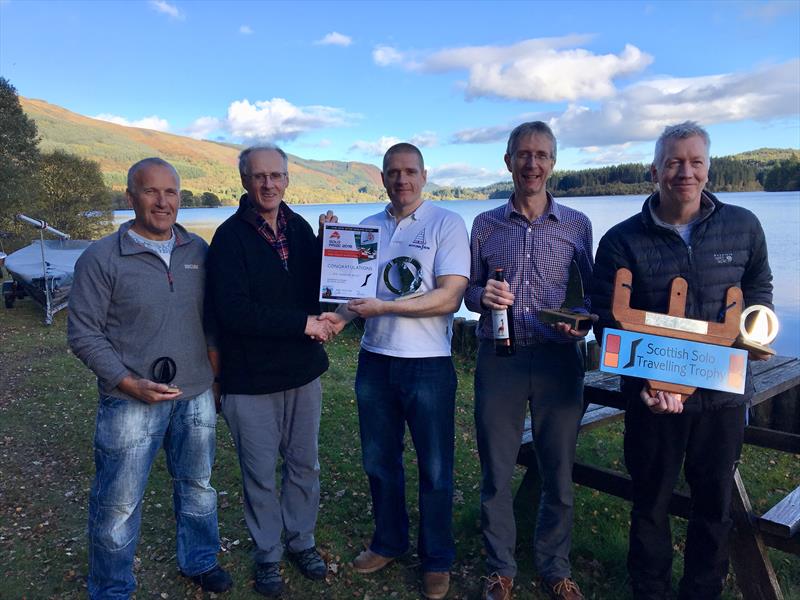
127 309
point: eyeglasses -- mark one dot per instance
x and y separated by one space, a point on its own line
260 178
539 157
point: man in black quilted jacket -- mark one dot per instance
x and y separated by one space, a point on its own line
684 231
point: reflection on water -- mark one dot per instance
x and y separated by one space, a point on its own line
779 213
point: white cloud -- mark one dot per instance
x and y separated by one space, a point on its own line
334 38
202 127
614 154
497 133
246 30
481 135
465 175
641 111
376 148
425 139
386 55
767 12
278 119
166 8
544 69
151 122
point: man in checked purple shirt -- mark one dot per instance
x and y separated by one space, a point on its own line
534 240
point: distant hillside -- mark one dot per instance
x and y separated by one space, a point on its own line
207 166
746 171
767 156
203 165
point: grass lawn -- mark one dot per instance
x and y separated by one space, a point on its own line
47 408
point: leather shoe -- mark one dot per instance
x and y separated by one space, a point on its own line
562 589
268 580
435 584
310 563
216 580
369 562
497 587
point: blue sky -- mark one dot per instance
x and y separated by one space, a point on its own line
343 80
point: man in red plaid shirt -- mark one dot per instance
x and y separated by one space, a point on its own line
263 275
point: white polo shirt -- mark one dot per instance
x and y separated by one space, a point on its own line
427 244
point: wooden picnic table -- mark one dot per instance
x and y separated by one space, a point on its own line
777 528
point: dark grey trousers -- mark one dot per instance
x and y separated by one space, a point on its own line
263 427
548 378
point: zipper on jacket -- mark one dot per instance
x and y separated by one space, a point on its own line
689 250
169 278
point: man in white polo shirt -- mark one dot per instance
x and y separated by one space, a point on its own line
405 373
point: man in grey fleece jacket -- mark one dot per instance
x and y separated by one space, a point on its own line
136 320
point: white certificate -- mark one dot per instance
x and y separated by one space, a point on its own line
349 262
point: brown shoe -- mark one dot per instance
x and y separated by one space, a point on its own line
562 589
435 584
497 587
369 562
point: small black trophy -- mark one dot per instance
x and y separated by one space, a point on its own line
574 298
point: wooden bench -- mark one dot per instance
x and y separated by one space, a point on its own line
777 528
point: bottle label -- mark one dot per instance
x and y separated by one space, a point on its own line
499 324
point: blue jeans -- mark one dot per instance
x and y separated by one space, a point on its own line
127 438
421 392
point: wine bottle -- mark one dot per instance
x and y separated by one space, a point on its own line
503 326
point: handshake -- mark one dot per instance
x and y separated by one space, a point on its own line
324 327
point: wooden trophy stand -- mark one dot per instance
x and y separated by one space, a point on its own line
674 323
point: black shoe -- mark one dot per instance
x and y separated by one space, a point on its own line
216 580
268 579
310 563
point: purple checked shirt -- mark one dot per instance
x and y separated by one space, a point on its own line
535 257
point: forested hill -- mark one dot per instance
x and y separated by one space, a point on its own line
204 166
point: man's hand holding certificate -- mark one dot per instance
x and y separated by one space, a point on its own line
349 262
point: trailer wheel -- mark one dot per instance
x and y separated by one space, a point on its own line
9 300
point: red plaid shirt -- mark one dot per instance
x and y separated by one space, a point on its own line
275 239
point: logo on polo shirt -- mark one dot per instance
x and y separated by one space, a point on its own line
403 275
419 241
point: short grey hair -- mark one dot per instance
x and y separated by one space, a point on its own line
403 148
245 154
681 131
148 162
531 127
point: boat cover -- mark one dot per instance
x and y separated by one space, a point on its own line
25 266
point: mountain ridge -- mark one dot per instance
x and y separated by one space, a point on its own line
211 166
204 165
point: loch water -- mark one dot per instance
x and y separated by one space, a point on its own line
779 213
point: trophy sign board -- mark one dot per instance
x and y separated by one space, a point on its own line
675 325
662 360
572 300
